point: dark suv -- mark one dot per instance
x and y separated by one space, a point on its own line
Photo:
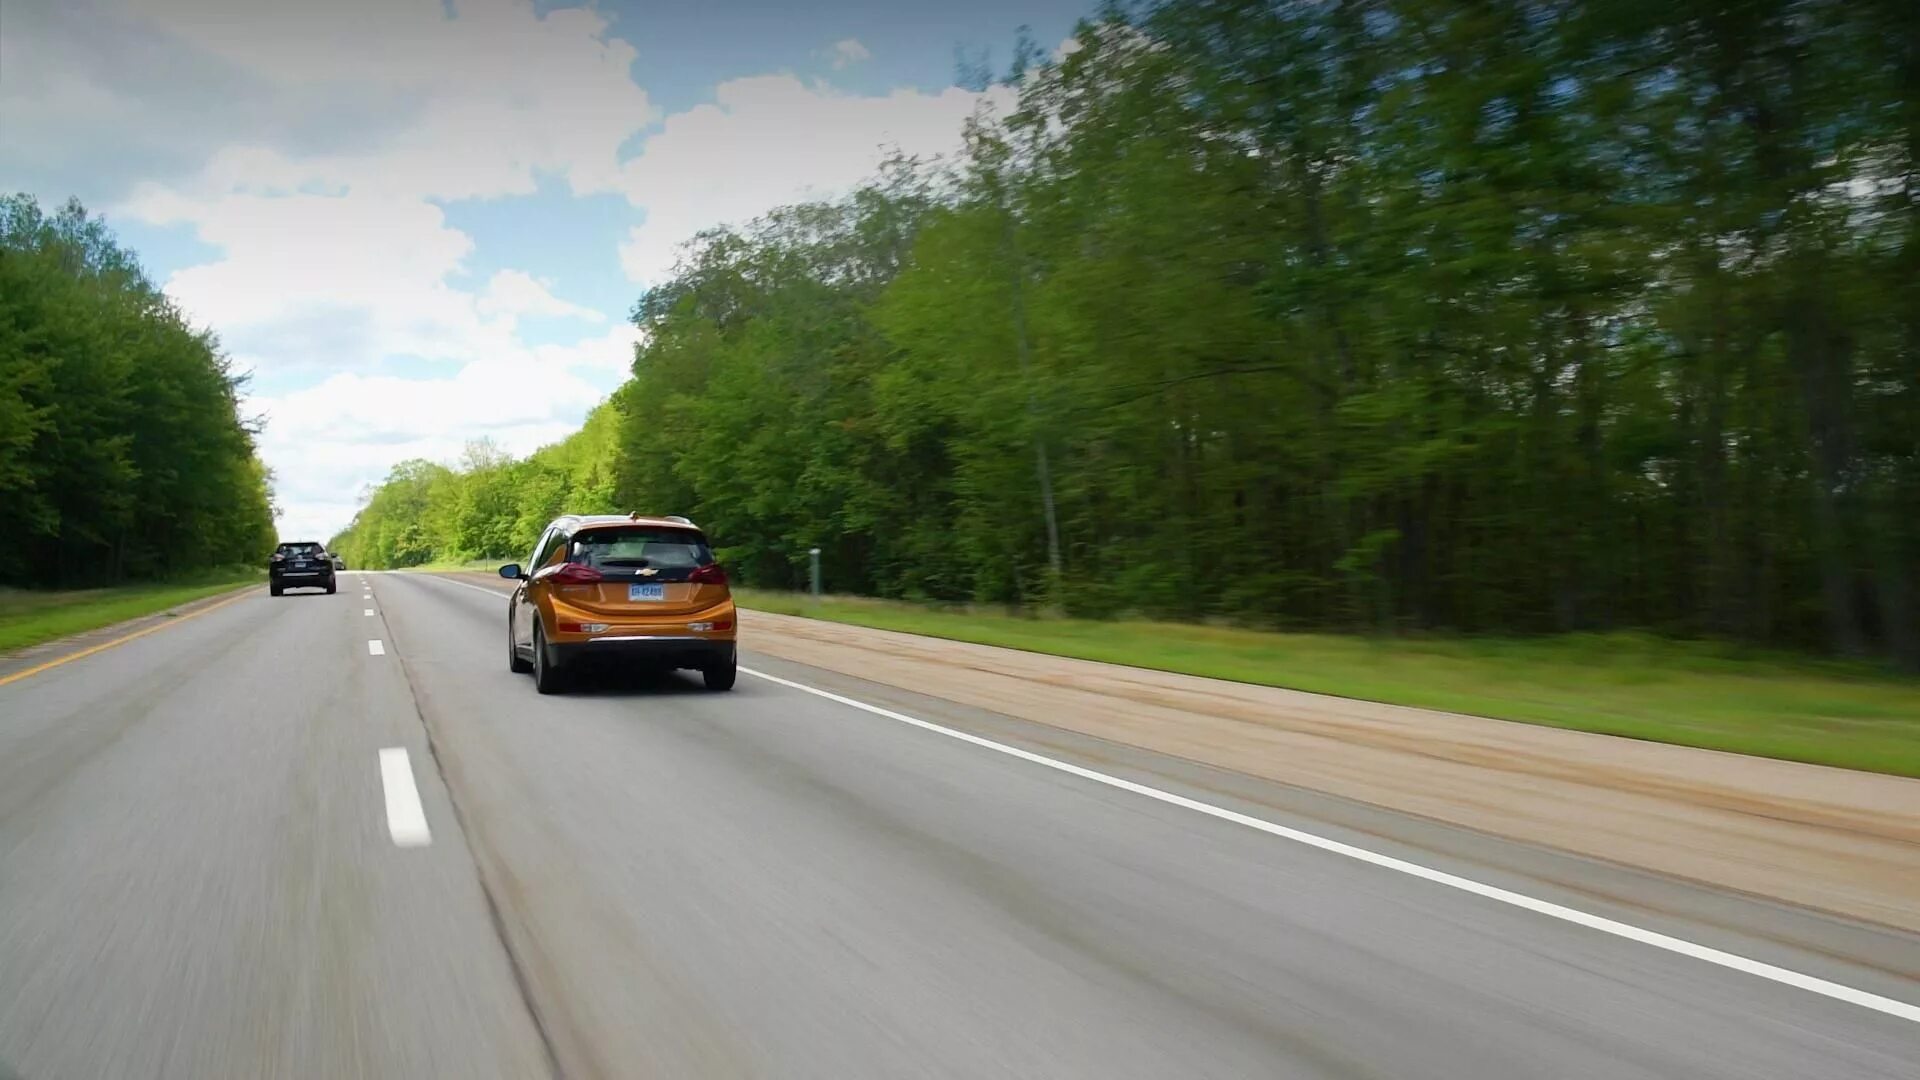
300 565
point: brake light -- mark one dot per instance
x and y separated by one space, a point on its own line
709 575
576 574
277 557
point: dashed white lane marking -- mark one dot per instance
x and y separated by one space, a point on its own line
1848 994
376 647
368 611
406 821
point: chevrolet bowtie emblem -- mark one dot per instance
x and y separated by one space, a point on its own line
648 571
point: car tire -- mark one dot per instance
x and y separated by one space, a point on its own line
547 678
514 663
274 589
330 587
721 675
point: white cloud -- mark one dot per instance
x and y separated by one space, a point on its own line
848 51
341 259
329 442
766 141
384 257
485 397
611 352
314 144
513 293
490 95
395 96
337 259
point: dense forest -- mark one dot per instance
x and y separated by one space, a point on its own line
1510 316
122 453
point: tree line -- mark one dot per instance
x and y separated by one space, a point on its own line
485 504
1503 317
123 456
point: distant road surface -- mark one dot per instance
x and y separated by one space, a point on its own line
332 836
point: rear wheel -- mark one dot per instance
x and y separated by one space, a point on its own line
329 586
547 678
274 589
514 663
720 674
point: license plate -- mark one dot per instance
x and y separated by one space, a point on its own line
646 592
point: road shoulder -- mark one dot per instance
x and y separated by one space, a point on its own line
1832 840
16 663
1753 843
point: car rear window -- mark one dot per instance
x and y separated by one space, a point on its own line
662 549
298 549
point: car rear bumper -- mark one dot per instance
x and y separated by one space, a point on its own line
660 650
299 578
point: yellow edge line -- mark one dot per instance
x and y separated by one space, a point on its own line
245 590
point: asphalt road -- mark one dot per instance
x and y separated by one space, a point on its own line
205 873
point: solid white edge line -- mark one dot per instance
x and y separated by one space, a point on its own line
471 585
1865 1000
406 820
376 647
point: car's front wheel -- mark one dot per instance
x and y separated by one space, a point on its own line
547 678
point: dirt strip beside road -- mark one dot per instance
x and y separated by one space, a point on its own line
1833 840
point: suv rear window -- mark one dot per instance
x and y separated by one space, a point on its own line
641 545
298 549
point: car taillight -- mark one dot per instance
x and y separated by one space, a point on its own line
709 575
277 557
576 574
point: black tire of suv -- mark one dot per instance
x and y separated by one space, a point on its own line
721 676
547 678
514 663
330 585
274 589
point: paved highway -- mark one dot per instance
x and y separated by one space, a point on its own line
332 836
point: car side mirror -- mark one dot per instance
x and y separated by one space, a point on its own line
511 572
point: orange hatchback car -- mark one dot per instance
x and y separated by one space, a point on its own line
635 589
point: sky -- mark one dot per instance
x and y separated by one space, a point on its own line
420 222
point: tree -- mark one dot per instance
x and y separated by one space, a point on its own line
1504 317
122 454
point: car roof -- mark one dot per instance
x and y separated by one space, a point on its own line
576 521
300 543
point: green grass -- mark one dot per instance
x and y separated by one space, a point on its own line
31 616
1705 694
